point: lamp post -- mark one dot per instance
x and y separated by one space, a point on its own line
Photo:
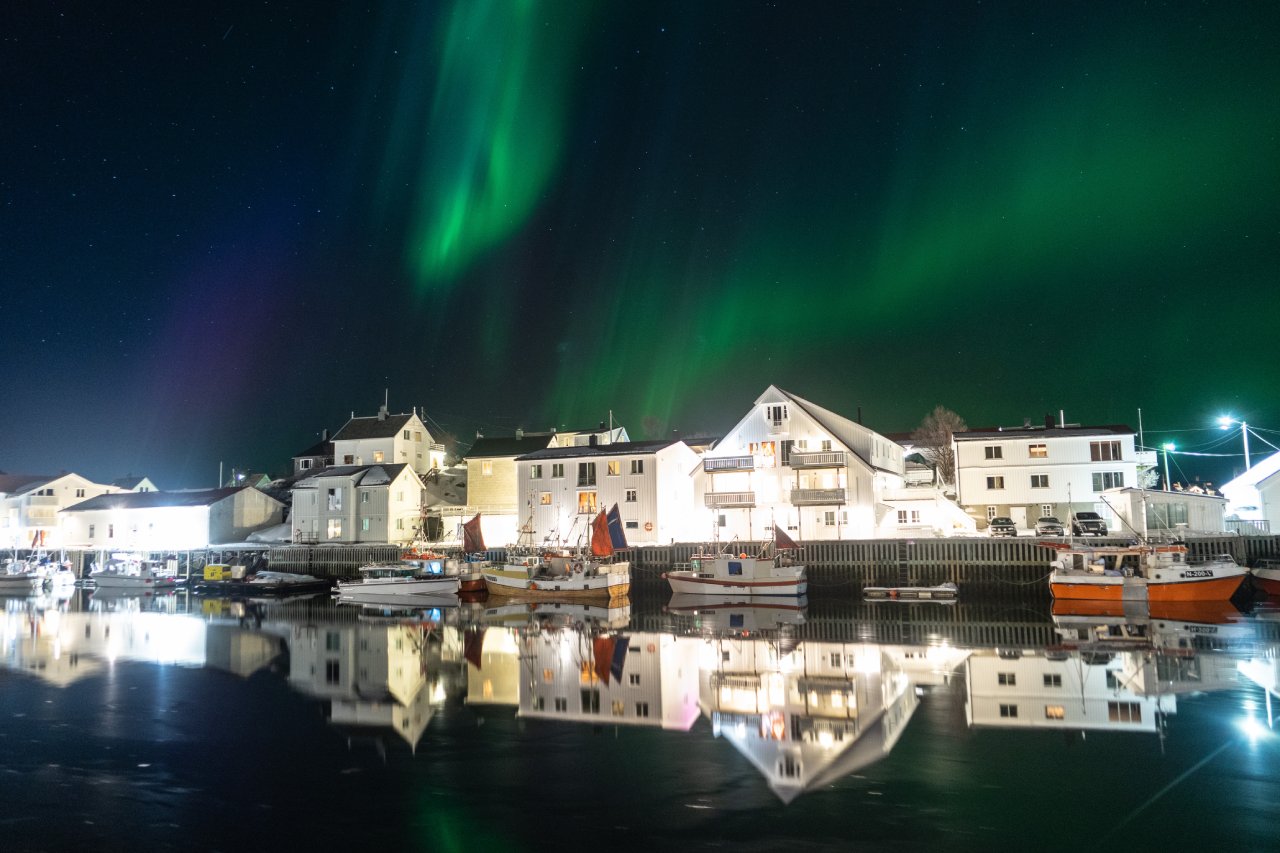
1225 422
1168 445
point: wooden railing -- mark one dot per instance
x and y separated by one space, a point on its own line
718 500
729 463
816 497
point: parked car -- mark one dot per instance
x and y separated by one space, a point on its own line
1088 524
1001 526
1047 525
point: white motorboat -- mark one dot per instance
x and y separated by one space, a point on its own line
771 571
127 572
19 580
404 578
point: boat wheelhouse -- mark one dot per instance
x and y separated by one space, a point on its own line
565 575
773 570
408 577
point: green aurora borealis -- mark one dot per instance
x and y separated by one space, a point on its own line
526 213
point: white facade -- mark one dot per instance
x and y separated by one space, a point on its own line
169 521
1027 472
388 439
795 464
29 511
1140 511
562 489
369 503
1255 494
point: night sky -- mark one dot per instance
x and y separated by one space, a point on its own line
226 228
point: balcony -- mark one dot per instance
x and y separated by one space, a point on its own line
817 497
722 500
821 459
729 463
43 500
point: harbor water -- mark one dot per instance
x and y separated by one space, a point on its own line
179 722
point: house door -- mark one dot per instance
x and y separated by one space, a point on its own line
1019 516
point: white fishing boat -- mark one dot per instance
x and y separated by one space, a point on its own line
129 572
470 567
19 579
408 577
772 571
564 575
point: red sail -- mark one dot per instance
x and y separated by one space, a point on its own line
601 542
603 648
472 538
473 646
782 541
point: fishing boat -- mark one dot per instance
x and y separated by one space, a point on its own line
20 579
771 571
565 575
470 567
1141 572
1266 576
408 577
130 572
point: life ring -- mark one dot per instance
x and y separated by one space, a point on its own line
648 525
742 556
532 585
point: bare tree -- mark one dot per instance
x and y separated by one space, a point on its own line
934 438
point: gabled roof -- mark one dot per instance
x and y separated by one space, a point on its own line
840 428
487 448
622 448
127 482
377 474
1041 431
322 449
1255 475
13 484
153 500
373 427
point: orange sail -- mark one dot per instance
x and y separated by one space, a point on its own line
472 538
601 542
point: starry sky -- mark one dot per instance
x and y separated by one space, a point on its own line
225 228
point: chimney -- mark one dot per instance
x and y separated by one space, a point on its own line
324 434
859 414
593 440
1062 417
519 434
602 426
382 412
1026 423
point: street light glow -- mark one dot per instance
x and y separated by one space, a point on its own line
1168 445
1226 421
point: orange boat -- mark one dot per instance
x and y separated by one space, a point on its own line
1154 573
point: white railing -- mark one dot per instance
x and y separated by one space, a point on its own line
820 459
716 500
809 497
729 463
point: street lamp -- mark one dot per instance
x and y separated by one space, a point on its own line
1225 422
1168 445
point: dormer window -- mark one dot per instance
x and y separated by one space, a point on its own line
777 413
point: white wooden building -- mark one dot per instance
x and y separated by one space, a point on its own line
169 521
358 503
1254 496
1031 471
492 485
388 439
1155 511
796 464
562 488
30 505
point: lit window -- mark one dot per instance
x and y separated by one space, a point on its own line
545 499
379 456
486 467
1038 451
615 467
587 502
1055 712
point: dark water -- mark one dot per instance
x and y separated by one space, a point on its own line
181 723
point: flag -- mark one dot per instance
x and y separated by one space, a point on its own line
601 541
616 536
472 538
782 541
603 648
619 657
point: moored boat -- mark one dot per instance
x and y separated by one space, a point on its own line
1266 577
1141 572
470 567
565 575
945 592
408 577
771 571
20 580
128 572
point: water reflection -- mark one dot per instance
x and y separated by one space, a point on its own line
806 699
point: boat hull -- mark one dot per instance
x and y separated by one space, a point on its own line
692 583
1267 580
1219 586
398 586
132 582
514 582
20 584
